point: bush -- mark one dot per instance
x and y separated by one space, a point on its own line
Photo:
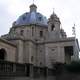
73 67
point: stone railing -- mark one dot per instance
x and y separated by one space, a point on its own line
16 69
12 69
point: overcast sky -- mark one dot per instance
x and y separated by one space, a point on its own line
67 10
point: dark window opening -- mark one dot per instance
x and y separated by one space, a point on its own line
41 33
31 58
40 63
69 50
24 18
2 54
68 53
32 31
21 32
53 49
40 18
52 28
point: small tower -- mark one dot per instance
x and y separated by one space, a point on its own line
54 26
33 7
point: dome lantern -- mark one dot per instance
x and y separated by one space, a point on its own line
33 7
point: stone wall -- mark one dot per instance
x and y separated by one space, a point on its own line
10 50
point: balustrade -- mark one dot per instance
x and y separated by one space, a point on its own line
17 69
11 68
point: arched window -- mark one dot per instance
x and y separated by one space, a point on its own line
21 32
52 27
41 33
2 54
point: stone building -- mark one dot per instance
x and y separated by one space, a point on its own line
36 40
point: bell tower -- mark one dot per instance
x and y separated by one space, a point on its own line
54 26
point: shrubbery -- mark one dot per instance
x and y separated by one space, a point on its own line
73 67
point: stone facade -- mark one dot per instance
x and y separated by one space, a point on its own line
9 50
37 42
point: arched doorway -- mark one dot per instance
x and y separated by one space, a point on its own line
2 54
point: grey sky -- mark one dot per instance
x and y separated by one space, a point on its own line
67 10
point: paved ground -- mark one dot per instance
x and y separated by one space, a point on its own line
25 78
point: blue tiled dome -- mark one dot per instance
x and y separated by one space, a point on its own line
32 17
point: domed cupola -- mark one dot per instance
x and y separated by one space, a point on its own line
32 17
